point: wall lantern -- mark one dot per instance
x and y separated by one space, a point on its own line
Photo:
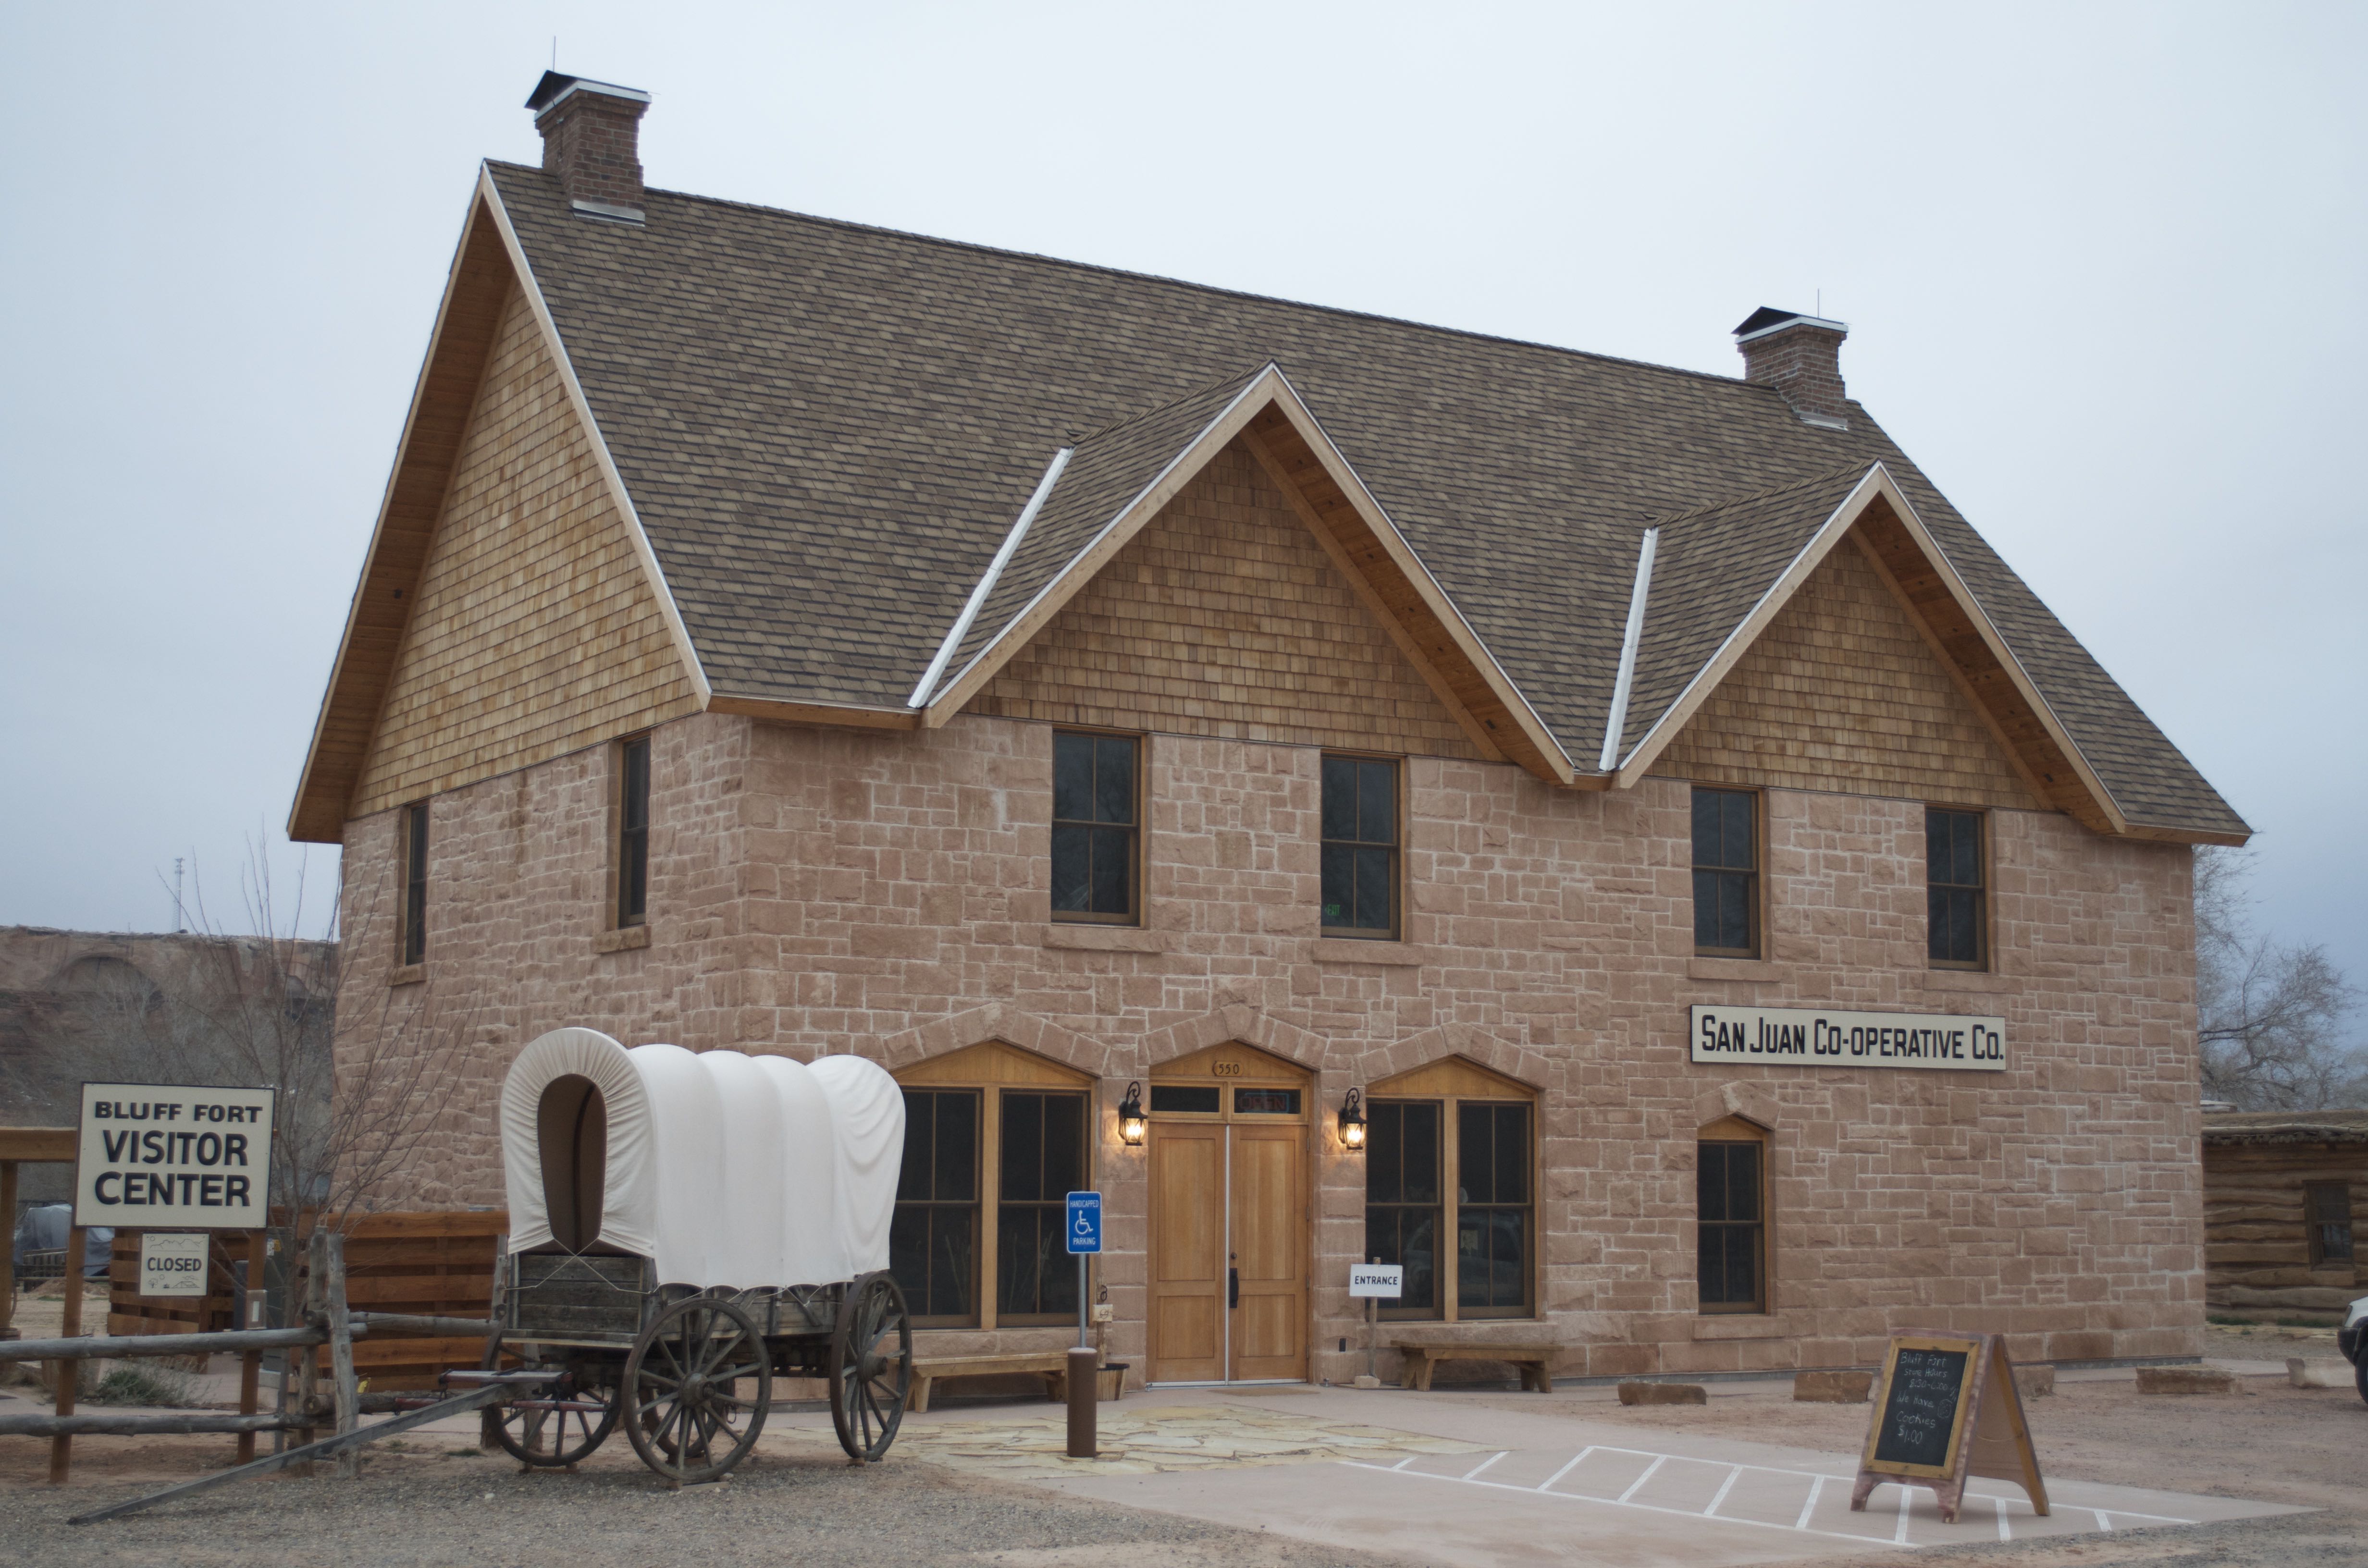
1130 1117
1352 1121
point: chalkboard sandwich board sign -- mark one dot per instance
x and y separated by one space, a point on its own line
1946 1409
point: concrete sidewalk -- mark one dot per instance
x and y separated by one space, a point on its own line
1476 1484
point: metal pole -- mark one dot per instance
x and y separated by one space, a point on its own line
68 1373
1369 1333
1085 1380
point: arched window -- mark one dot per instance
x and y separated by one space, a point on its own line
572 1136
1731 1216
1450 1190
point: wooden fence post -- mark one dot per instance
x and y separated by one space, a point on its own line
250 1366
308 1382
8 1249
341 1354
68 1373
489 1420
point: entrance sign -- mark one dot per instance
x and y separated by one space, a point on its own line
172 1263
173 1156
1381 1281
1810 1037
1947 1408
1085 1224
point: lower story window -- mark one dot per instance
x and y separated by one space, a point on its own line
2326 1209
1731 1210
1449 1195
933 1239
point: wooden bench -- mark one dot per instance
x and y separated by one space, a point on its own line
1053 1366
1533 1361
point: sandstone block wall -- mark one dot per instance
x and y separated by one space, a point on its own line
886 893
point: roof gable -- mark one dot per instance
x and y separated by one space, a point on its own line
1083 532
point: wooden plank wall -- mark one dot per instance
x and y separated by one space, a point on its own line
1842 692
433 1264
533 630
130 1312
2256 1252
1224 617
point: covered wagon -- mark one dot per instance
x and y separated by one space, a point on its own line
684 1228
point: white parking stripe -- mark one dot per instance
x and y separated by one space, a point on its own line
1734 1472
1548 1481
1658 1460
1811 1505
1483 1464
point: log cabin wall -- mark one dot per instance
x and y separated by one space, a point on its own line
2257 1168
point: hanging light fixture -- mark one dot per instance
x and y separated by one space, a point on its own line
1130 1117
1352 1121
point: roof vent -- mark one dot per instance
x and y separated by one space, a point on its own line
591 132
1799 356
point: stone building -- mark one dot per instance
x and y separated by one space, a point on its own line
1745 920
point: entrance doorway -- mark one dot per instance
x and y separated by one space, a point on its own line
1229 1221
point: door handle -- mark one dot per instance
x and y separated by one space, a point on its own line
1233 1288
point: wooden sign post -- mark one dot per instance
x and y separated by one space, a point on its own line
1947 1409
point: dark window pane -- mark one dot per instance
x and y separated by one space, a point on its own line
1340 884
1340 798
1735 835
1743 1181
1023 1148
1113 779
1072 866
930 1235
1705 909
1073 778
1491 1262
920 1113
1512 1153
1373 889
1267 1102
1384 1154
1422 1147
1735 912
1406 1237
1377 806
1710 1183
1034 1271
1190 1098
954 1176
1113 851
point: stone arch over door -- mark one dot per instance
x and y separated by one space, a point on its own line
1242 1023
1497 1055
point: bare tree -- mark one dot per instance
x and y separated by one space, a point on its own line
350 1065
2270 1017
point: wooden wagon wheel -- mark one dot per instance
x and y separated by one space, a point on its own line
557 1425
684 1408
870 1366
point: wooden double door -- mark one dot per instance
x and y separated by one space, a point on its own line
1229 1218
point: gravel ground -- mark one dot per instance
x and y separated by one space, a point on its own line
431 1508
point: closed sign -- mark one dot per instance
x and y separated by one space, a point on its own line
172 1263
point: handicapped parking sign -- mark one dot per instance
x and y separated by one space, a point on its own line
1085 1225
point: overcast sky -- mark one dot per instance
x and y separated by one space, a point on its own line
2103 267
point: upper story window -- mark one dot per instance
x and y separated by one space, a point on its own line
633 831
1953 865
1095 814
415 884
1360 846
1727 873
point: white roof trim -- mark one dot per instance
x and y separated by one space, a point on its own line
1791 322
920 697
1626 679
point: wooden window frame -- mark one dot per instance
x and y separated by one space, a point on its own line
1451 1100
621 828
1136 830
987 1069
1396 928
2315 1226
1983 903
991 1277
1736 1130
416 846
1755 883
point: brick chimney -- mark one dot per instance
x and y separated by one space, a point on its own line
589 135
1799 356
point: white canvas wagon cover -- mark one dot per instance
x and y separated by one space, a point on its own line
727 1169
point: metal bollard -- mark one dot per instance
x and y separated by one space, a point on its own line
1085 1394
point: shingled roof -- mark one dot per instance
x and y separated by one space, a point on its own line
826 432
